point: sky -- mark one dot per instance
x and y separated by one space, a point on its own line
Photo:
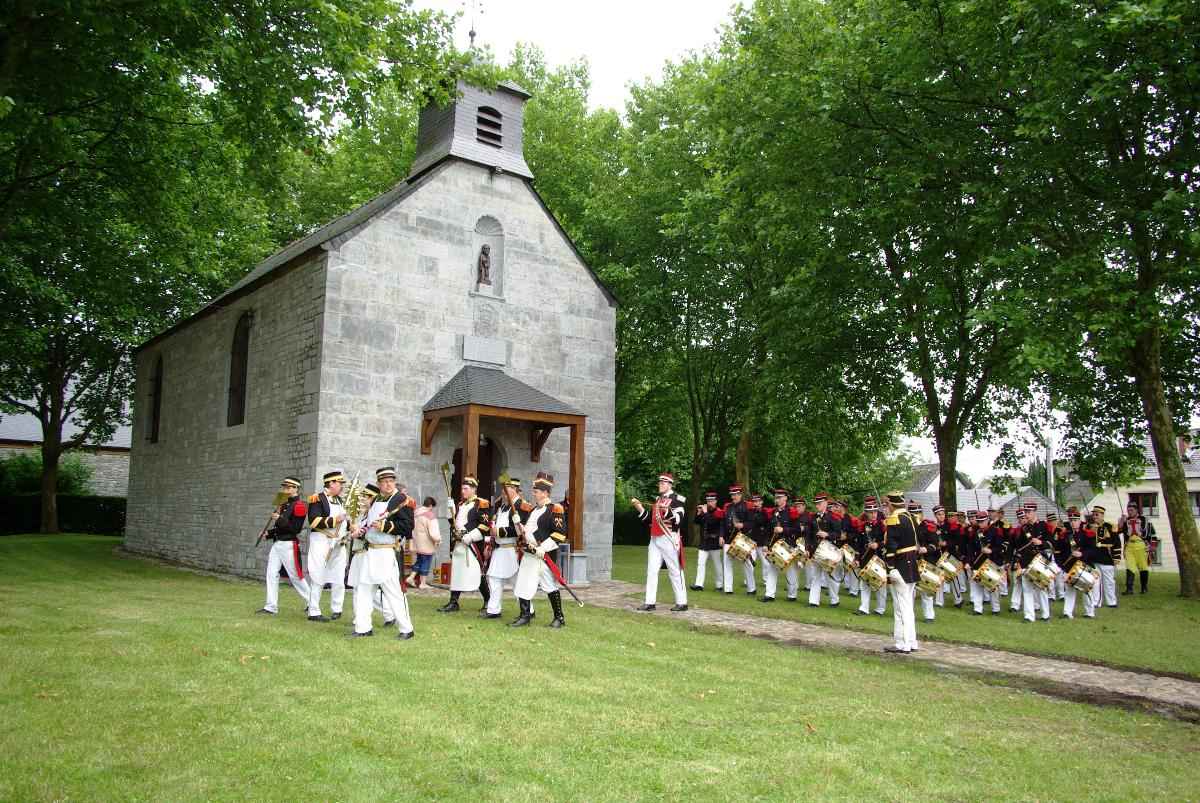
628 42
624 41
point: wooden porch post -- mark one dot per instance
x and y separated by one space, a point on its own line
575 516
470 461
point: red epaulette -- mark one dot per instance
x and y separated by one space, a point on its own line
836 516
411 502
300 509
795 513
484 504
557 508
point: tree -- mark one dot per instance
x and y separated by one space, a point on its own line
137 141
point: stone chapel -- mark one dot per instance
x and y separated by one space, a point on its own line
448 320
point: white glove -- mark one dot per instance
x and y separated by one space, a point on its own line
450 507
541 551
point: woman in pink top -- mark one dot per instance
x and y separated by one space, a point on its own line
426 537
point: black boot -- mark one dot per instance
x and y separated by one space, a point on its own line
1128 582
485 590
1144 574
452 605
556 604
523 619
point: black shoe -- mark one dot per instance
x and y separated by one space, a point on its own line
765 598
1025 621
648 606
404 636
896 650
995 613
1111 606
958 605
1144 590
335 616
449 607
556 604
1089 616
792 599
834 604
523 619
814 605
265 611
695 588
1063 616
861 613
1128 592
730 592
486 615
752 593
930 619
318 618
806 588
356 634
389 623
977 613
678 608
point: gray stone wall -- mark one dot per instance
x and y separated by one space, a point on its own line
399 301
110 470
201 493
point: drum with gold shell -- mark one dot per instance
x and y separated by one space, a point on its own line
949 566
988 575
1041 571
782 554
929 578
827 556
741 547
1081 577
875 573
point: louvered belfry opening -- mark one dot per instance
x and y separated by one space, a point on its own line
488 126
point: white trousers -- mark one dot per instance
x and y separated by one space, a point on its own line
499 572
283 554
1059 586
526 586
661 552
318 575
812 575
1108 584
395 599
852 583
865 595
824 580
905 629
926 604
977 594
1033 597
703 556
747 572
1089 602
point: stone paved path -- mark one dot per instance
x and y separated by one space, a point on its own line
1063 678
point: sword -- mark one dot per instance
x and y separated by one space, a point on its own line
558 576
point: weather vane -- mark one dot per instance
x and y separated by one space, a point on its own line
476 7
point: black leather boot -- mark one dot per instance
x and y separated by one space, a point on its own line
485 590
523 619
452 605
1144 574
556 604
1128 582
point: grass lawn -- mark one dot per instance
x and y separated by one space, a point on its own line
1157 630
124 680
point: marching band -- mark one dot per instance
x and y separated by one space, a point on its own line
358 538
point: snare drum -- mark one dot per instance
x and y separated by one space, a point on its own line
1081 577
988 575
874 574
1041 571
741 547
848 556
782 554
949 566
929 578
827 556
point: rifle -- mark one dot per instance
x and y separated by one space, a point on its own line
280 499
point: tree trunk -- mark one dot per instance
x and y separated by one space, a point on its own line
741 471
50 454
947 449
1147 371
695 497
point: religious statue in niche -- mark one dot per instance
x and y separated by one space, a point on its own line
485 264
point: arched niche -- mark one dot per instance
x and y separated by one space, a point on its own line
488 270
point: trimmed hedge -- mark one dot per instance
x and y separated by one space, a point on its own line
102 515
628 530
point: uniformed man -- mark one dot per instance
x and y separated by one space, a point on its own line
829 528
948 536
871 538
544 530
1012 535
756 527
733 521
708 516
1032 540
389 521
807 533
1083 548
927 550
326 525
358 553
846 541
782 524
666 543
1109 555
1136 533
471 521
903 548
511 517
1000 529
1060 548
283 533
984 544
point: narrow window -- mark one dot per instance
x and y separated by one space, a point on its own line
156 389
487 126
239 356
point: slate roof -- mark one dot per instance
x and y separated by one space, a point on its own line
491 386
1191 461
925 473
25 427
966 500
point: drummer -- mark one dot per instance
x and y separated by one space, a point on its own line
782 523
756 527
1083 542
870 540
734 521
1032 541
984 545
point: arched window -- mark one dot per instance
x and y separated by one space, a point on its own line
487 126
239 357
156 390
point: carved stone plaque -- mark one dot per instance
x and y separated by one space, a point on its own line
485 349
487 319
